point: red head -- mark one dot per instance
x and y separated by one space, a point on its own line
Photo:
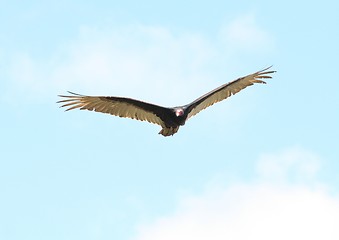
179 112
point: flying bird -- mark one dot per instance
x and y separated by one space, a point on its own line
170 119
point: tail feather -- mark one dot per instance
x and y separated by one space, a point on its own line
169 131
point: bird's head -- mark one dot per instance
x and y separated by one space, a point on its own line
179 112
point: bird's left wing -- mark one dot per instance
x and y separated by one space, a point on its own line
117 106
226 91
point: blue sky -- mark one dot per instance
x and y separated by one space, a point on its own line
263 164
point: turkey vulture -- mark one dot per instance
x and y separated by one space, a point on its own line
170 119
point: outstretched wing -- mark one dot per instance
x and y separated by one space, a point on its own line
117 106
226 91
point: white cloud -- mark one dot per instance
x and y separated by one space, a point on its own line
121 61
294 163
263 210
244 34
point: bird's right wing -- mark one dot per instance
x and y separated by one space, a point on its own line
117 106
226 90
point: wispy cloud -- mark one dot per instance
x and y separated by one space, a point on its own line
136 56
262 210
123 60
294 163
245 34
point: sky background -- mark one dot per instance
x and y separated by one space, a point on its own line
261 165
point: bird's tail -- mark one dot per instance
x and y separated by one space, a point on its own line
169 131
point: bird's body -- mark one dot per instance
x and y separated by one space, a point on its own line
170 119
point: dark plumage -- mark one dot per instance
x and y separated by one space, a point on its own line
170 119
